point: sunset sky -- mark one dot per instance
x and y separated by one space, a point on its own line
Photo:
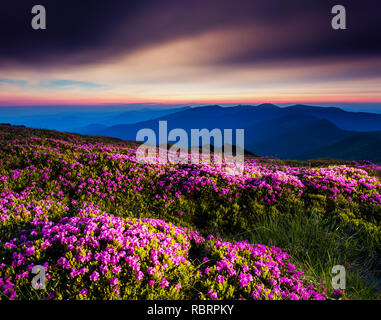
189 51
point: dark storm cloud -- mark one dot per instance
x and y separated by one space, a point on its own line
85 31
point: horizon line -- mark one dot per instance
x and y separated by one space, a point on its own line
189 103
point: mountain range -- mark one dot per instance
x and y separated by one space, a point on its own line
297 132
80 119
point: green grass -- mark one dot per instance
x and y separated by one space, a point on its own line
316 247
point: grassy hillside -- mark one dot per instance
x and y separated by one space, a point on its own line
359 146
301 136
105 226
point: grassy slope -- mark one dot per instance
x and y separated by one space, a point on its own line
307 237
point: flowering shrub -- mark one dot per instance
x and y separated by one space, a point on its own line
99 256
353 183
245 271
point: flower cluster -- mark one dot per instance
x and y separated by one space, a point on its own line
245 271
99 256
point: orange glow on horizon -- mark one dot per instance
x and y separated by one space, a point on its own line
102 102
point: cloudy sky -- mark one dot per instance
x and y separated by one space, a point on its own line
189 51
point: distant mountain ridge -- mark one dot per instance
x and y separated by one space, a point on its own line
363 146
295 132
83 120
